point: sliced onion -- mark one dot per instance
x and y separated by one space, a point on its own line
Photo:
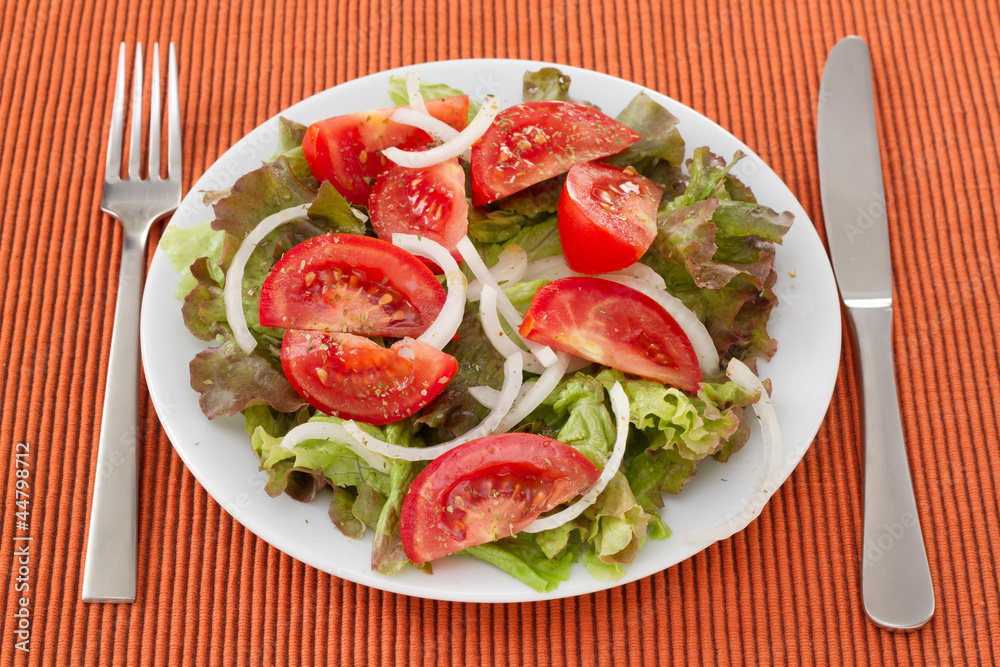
545 354
413 93
495 333
508 393
438 129
643 272
488 396
555 267
701 340
532 398
767 482
232 292
444 326
620 406
550 268
452 147
334 433
509 269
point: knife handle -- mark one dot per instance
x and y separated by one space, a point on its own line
896 585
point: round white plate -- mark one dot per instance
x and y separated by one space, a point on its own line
806 325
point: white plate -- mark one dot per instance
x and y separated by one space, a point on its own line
218 453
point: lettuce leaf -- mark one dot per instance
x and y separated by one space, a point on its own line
454 411
715 247
676 430
659 155
521 557
429 91
227 379
186 246
617 524
547 83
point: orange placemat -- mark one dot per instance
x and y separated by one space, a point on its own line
784 591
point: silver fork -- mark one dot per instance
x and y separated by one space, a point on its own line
109 570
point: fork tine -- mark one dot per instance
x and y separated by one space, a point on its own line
173 119
135 146
113 165
154 117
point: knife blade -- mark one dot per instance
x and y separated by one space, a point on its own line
897 591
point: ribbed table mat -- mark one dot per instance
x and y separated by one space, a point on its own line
784 591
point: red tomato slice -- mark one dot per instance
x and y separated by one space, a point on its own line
607 217
613 325
487 489
352 377
351 283
345 149
532 141
430 202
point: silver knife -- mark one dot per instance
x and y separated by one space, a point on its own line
896 586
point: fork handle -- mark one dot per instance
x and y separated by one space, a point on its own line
109 570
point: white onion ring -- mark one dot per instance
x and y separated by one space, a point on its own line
532 398
694 329
232 291
767 482
487 396
413 93
438 129
545 354
444 326
555 267
334 433
508 393
453 147
643 272
495 333
550 268
509 269
620 406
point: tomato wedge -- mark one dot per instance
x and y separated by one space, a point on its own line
532 141
613 325
429 201
607 217
351 283
353 377
487 489
345 149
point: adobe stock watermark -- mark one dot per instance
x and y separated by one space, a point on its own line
889 535
866 218
254 483
22 557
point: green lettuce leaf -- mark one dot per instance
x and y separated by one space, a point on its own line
659 155
538 237
522 558
429 91
388 555
547 83
617 524
676 430
185 246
